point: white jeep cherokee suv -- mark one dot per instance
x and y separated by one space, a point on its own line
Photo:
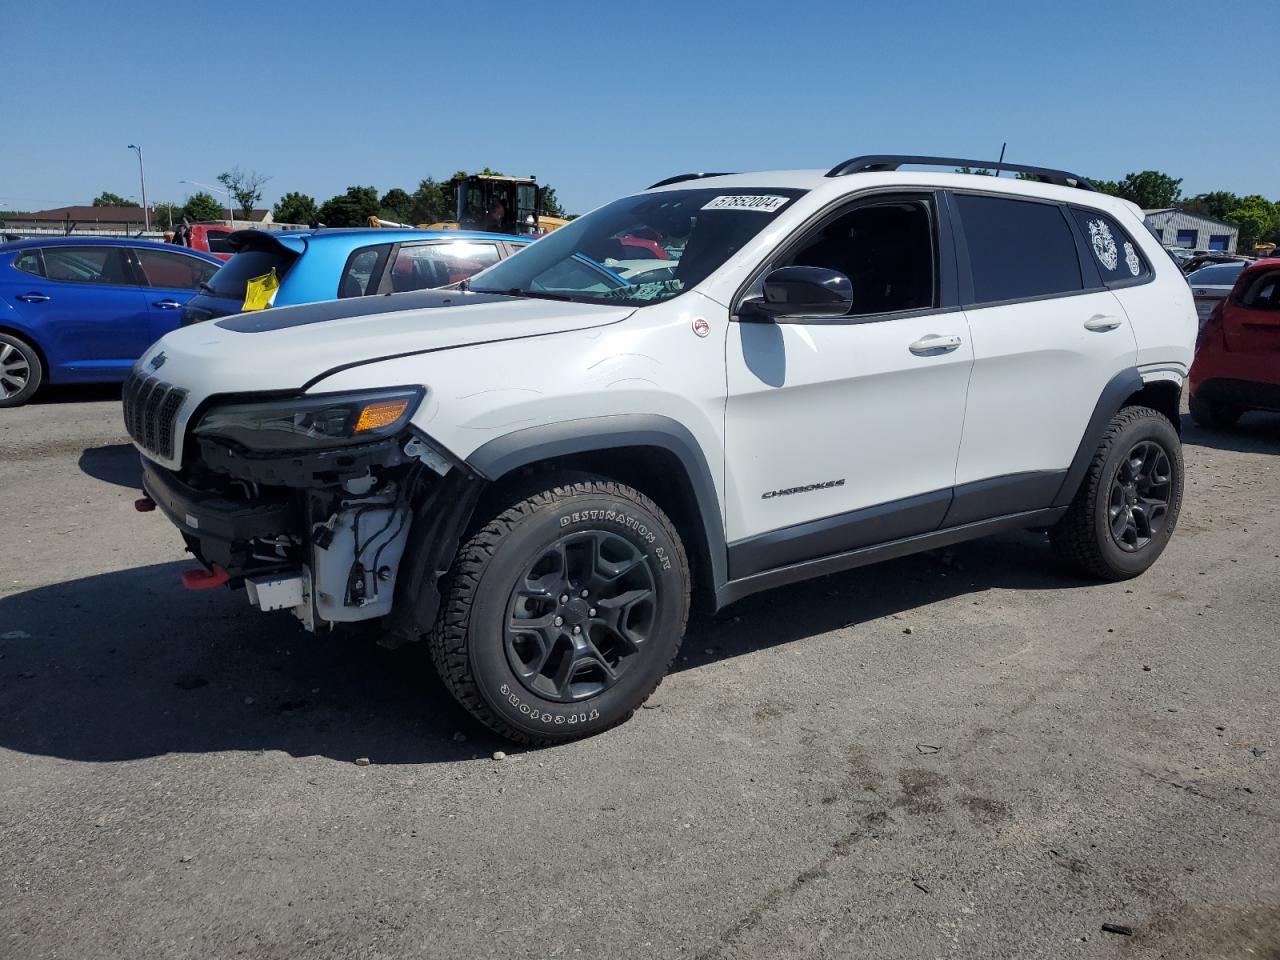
723 384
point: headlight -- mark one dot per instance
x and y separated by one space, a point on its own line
329 420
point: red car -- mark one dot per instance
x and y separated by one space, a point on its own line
1237 364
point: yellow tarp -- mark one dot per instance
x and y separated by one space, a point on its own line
260 292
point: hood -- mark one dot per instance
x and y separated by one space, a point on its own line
289 348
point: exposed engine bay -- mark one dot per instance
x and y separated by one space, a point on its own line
324 534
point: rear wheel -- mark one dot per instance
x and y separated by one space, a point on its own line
1128 504
20 371
563 611
1209 414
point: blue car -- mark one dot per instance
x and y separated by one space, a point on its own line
83 309
332 264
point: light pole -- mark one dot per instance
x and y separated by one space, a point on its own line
197 183
146 213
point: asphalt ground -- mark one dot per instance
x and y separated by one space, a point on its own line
967 753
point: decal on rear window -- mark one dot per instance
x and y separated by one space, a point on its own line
1131 258
1104 245
764 204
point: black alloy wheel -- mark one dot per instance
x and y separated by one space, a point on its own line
580 616
1139 499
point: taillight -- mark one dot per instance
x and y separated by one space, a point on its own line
1212 324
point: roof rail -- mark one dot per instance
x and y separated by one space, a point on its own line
889 161
681 177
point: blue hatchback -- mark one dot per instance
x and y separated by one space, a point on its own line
332 264
83 309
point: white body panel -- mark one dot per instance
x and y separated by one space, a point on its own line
1037 375
850 402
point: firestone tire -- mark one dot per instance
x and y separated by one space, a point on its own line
21 372
1213 414
1128 504
563 611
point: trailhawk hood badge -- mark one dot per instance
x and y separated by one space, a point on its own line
157 361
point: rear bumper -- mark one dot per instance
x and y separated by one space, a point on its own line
224 528
1250 394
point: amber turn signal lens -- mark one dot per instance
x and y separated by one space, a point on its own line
381 413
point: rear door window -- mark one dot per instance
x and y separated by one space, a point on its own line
420 266
175 271
106 265
231 280
1118 258
1018 249
29 262
364 267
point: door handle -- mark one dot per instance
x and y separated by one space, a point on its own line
167 304
33 297
1102 323
934 343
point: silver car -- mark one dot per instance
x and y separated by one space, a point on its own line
1210 286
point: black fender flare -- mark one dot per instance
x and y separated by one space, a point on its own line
1118 389
530 445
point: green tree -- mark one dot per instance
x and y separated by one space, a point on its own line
976 171
432 202
166 216
1217 203
1257 217
202 206
550 202
396 205
1150 189
245 186
109 199
1110 187
295 208
350 209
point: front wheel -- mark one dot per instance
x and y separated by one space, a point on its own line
1124 513
563 611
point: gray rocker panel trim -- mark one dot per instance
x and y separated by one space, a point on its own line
532 444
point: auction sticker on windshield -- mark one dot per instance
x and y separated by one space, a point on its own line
765 204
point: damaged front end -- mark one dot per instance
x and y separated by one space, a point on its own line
330 506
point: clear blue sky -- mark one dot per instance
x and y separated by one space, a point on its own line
602 99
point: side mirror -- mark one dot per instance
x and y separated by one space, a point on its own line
804 292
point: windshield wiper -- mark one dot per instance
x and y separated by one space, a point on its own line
519 292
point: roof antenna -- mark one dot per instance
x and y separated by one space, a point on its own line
1001 160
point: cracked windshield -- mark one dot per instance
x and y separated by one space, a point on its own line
639 250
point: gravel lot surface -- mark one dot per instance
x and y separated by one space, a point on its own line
968 753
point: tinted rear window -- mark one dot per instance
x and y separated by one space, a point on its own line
1018 248
1118 258
1218 276
1262 292
230 281
218 241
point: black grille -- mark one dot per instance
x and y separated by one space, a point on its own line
150 409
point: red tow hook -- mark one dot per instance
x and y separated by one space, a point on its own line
205 579
144 504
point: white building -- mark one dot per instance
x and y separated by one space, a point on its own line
1195 231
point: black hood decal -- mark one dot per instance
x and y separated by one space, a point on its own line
303 314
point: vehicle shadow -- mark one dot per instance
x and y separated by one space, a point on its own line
1012 561
116 463
76 393
127 665
1256 432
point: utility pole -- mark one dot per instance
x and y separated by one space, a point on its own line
146 211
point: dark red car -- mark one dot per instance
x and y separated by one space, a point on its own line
1237 364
